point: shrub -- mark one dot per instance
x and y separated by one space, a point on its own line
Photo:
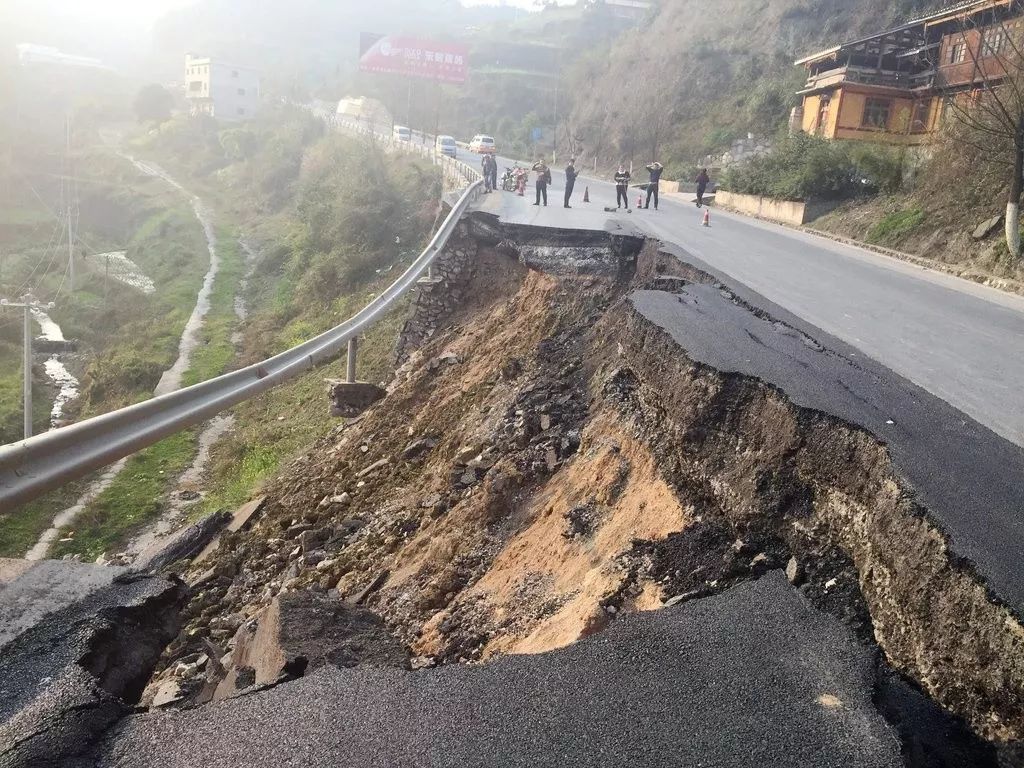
804 166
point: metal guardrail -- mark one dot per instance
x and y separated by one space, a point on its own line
39 464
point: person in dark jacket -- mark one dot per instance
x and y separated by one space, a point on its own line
494 172
702 184
570 180
543 179
485 166
622 177
653 186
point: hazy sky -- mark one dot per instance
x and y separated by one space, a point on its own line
148 11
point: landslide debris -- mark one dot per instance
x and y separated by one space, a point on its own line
551 460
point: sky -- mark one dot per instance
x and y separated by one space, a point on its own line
135 12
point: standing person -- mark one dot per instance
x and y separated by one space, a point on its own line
521 177
653 186
494 172
622 177
543 179
702 184
570 180
485 167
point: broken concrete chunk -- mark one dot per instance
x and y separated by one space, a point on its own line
417 448
340 500
183 545
987 227
301 631
377 465
311 540
466 454
794 572
350 399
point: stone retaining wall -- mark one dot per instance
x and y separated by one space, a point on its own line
436 299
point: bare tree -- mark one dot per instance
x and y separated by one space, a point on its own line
992 110
652 106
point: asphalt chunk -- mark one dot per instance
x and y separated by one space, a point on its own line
752 677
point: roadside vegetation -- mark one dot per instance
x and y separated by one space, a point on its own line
802 167
322 247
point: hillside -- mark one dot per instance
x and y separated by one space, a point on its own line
694 79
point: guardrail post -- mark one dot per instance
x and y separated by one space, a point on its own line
353 347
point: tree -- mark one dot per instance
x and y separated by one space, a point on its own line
153 103
992 112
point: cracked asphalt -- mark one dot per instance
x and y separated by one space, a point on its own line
753 677
927 362
961 341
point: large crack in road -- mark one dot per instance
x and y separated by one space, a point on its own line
584 440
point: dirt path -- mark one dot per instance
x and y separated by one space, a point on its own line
171 379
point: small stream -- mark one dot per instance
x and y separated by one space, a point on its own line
126 271
171 378
62 378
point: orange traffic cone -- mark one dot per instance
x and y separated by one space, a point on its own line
586 195
707 218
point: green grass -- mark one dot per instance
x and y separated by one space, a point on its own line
134 499
262 441
131 501
894 227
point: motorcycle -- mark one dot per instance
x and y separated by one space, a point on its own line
508 180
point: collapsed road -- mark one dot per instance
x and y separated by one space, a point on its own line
594 428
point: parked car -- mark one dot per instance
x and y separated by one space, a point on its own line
401 133
482 145
446 145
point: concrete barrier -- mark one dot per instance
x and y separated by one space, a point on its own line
784 211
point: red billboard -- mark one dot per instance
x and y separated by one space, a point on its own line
415 57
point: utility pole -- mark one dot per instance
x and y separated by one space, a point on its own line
27 304
71 233
554 139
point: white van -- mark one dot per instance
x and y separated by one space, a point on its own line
446 145
482 145
401 133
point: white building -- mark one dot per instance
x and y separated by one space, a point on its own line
629 10
224 91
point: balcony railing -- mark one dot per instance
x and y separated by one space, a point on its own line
868 76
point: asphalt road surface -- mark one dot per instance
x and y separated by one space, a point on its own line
965 476
958 340
754 677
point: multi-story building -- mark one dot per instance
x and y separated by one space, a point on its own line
224 91
895 86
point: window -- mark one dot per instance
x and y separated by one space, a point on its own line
995 41
957 53
241 111
919 122
195 85
876 113
241 91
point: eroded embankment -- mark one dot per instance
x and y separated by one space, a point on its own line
551 458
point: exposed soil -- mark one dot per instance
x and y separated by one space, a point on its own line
551 460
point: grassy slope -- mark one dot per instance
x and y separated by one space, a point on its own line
134 499
287 308
130 339
934 217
